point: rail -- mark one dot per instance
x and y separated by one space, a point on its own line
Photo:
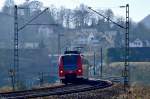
84 85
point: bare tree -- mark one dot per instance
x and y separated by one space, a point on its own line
8 7
35 5
53 11
81 16
110 15
61 15
68 17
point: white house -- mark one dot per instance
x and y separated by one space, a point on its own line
147 43
45 32
110 37
31 45
88 30
80 40
92 40
136 43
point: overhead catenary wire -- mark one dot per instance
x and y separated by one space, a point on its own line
32 19
107 18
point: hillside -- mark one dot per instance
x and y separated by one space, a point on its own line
139 72
146 21
31 63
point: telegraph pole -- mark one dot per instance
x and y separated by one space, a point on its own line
59 42
59 50
16 54
41 78
94 64
11 73
101 64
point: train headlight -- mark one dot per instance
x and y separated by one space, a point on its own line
61 71
79 70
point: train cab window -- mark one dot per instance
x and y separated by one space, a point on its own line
70 62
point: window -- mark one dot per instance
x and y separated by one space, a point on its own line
70 62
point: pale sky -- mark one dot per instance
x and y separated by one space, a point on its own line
138 8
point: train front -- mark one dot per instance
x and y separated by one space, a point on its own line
70 67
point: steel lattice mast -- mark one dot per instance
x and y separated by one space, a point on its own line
126 65
126 71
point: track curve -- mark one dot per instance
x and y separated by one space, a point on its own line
84 85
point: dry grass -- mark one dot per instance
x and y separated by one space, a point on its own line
107 93
139 71
114 92
137 92
131 63
118 64
5 89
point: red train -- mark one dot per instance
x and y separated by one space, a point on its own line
72 66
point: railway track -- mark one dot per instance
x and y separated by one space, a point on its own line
84 85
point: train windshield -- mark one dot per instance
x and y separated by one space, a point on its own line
70 62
